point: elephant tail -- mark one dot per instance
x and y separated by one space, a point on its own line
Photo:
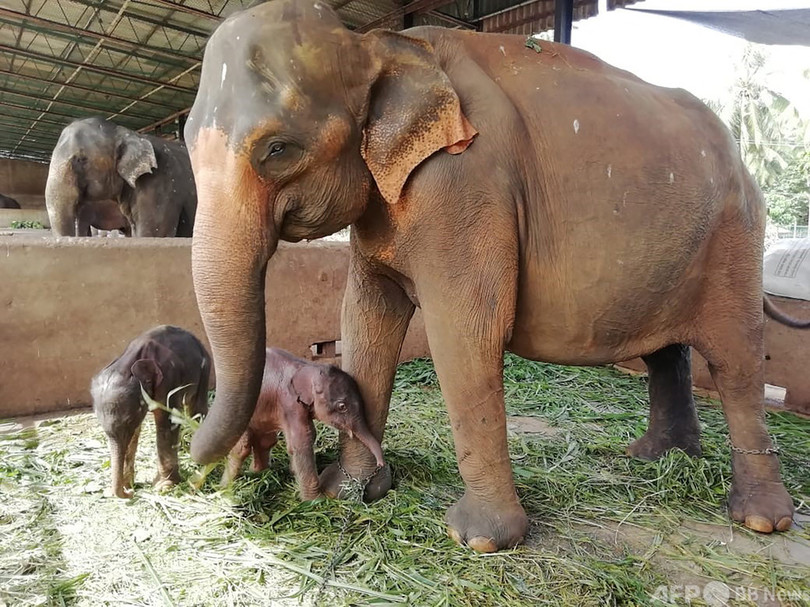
779 316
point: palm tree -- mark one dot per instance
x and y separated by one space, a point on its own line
763 121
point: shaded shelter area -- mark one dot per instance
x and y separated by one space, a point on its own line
137 62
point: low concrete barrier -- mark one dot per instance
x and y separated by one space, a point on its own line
68 306
7 216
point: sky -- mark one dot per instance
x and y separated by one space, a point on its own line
674 53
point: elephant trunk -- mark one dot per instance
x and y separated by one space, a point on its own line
61 199
118 452
233 240
364 435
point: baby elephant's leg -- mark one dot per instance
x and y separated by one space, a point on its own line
236 458
300 442
261 451
167 439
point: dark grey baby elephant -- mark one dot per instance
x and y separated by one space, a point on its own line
162 359
294 392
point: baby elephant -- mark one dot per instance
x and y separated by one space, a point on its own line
162 359
294 392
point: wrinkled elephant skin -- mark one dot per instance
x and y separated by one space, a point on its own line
161 360
543 203
294 392
102 174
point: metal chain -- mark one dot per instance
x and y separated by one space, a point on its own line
768 451
353 489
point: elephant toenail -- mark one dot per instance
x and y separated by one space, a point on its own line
758 523
455 536
482 544
784 523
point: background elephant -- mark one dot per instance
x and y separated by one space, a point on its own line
7 202
541 202
149 178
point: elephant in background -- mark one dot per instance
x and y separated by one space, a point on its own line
544 203
7 202
102 215
149 179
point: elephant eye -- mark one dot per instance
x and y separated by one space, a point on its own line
276 149
341 406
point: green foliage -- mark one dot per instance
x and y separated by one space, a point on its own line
788 196
606 529
27 225
766 125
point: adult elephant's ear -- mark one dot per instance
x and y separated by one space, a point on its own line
135 155
413 112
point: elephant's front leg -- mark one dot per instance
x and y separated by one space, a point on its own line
375 318
467 342
300 445
168 436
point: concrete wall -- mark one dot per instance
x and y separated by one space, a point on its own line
24 181
68 306
7 216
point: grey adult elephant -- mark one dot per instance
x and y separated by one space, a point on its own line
544 203
96 161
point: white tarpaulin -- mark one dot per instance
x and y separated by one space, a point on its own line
786 271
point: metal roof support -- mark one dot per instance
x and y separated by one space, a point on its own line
80 88
417 6
70 117
153 91
563 19
79 106
94 68
188 9
160 23
162 121
46 25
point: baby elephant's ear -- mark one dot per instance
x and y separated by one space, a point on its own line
147 371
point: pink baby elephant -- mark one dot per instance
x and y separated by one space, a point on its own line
293 393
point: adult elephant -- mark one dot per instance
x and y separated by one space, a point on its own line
149 178
539 202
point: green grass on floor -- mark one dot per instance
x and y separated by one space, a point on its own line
605 529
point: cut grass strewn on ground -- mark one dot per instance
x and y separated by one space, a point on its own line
606 529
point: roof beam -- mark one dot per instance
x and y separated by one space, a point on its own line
61 124
95 68
160 23
22 20
162 121
6 122
81 88
417 6
71 117
187 9
79 106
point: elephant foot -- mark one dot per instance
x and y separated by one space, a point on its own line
164 483
654 444
486 527
761 505
333 481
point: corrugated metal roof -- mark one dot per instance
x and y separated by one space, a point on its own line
137 61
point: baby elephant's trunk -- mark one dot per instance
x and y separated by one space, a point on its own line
364 435
118 451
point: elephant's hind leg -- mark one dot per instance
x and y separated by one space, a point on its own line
734 350
673 418
168 436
